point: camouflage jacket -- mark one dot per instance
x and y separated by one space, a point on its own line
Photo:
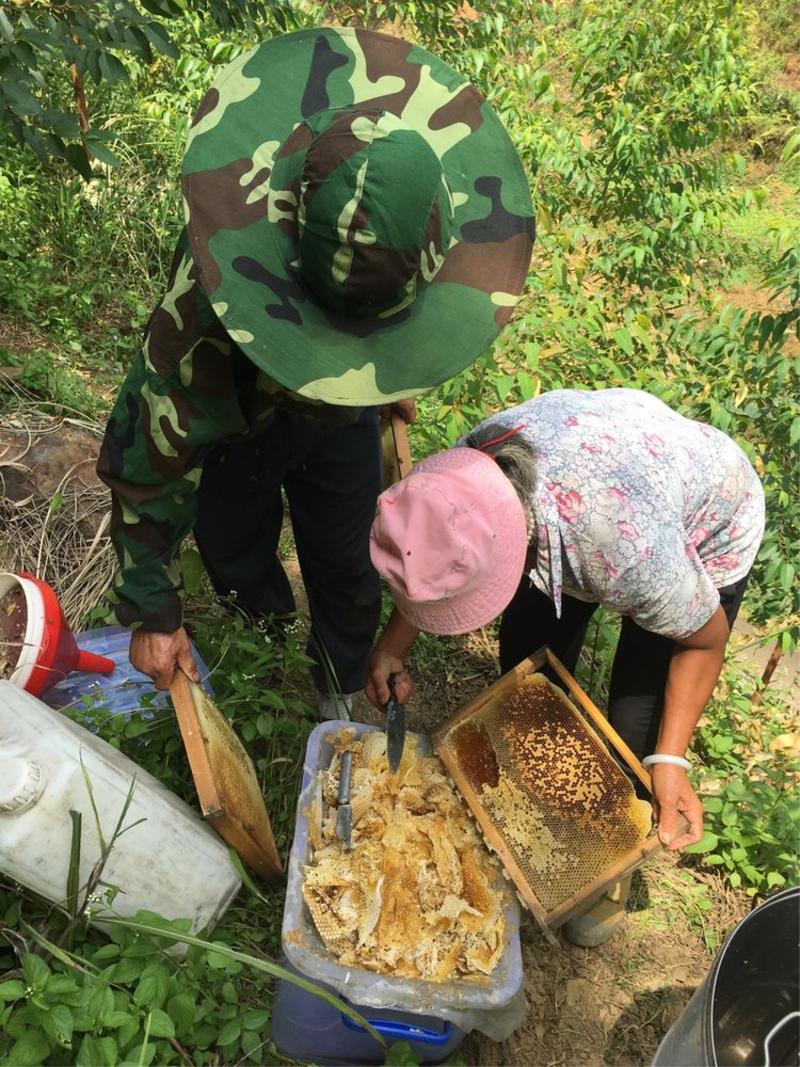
189 389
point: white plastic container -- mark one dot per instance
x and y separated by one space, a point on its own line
171 863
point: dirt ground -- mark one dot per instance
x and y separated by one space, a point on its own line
611 1005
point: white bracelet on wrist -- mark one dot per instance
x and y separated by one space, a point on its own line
662 757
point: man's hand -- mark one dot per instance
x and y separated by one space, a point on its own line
381 665
673 795
406 409
160 654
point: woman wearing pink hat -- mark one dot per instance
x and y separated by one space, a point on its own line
568 501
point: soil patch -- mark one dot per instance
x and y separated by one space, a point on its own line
611 1005
13 623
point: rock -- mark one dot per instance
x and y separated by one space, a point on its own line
35 458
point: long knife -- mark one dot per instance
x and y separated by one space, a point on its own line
395 728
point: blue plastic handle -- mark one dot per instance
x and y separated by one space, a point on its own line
403 1031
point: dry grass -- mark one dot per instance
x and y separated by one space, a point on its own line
54 513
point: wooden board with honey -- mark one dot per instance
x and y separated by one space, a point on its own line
552 801
227 785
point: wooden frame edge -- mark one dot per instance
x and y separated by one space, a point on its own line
185 712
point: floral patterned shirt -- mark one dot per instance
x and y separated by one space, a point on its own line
636 507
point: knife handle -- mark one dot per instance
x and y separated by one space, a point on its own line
345 769
390 682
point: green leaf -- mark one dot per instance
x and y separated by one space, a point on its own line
12 989
31 1050
63 123
58 1023
116 1019
707 843
229 1033
624 340
504 386
126 971
142 1055
774 878
152 988
255 1019
128 1032
75 155
59 984
791 148
401 1054
180 1009
160 1024
106 952
251 1043
35 970
193 571
730 815
112 69
109 1052
157 36
100 151
19 99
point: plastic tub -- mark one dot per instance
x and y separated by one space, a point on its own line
307 1029
747 1011
494 1005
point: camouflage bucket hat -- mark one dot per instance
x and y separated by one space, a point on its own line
359 217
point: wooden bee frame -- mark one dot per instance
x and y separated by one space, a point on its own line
604 731
395 449
227 785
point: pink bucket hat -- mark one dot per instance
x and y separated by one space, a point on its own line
450 541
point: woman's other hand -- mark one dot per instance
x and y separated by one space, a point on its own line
381 665
673 796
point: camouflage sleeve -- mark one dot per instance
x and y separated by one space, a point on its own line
179 398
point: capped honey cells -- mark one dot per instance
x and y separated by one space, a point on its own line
418 895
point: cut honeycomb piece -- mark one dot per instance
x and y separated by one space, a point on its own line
418 888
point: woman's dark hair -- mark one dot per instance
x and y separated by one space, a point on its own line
514 456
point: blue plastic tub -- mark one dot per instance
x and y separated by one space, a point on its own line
309 1030
122 691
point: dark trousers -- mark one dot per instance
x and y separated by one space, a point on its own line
641 661
331 475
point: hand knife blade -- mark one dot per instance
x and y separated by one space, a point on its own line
395 729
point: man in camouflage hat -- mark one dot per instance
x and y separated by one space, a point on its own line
358 229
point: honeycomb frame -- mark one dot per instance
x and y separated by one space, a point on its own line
529 850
